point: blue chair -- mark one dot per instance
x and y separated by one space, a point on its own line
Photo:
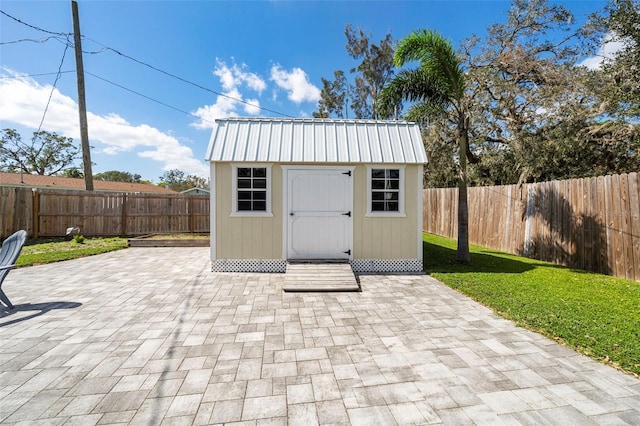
11 248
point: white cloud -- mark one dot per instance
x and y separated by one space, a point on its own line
234 76
176 156
23 100
296 83
225 106
252 107
607 51
232 79
254 82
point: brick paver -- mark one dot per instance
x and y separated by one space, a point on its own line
151 336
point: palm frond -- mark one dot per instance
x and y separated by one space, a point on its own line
436 56
414 85
423 111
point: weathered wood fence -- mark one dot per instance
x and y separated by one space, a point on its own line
591 224
48 213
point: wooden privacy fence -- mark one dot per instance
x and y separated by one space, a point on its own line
48 213
591 223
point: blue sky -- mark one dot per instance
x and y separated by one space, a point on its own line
270 54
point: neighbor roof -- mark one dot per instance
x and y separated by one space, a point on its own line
315 140
59 182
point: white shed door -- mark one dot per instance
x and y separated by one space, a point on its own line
320 220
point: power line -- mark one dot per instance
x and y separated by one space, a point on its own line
184 80
148 97
53 88
33 40
105 48
32 26
94 52
34 75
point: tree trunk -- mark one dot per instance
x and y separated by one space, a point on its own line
462 254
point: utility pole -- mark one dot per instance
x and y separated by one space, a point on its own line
82 105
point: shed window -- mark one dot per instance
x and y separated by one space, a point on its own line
251 190
385 191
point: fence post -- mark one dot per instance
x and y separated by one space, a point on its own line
170 214
191 219
507 225
123 226
35 211
529 217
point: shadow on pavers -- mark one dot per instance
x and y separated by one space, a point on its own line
41 308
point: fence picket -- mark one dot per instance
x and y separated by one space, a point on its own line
634 212
590 223
50 212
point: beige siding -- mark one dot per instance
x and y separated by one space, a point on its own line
247 237
386 237
262 237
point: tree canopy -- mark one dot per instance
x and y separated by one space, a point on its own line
46 153
118 176
535 111
359 95
620 87
178 180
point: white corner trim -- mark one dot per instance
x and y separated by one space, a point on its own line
213 193
420 210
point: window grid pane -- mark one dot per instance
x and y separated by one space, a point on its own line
252 188
385 190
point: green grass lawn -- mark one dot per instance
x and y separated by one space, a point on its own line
47 250
598 315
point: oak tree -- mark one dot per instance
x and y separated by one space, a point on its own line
46 153
177 180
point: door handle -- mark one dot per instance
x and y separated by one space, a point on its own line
291 214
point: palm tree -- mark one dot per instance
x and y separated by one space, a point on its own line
436 86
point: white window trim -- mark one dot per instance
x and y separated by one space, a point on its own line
234 191
400 212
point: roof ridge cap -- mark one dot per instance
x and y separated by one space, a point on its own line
316 120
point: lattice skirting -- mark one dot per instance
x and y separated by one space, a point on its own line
386 265
280 265
249 265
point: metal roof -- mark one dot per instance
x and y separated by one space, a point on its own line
274 140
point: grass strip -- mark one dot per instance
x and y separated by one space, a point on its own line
597 315
47 250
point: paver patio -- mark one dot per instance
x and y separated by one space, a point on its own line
151 336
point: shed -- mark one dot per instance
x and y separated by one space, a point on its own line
316 189
195 191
